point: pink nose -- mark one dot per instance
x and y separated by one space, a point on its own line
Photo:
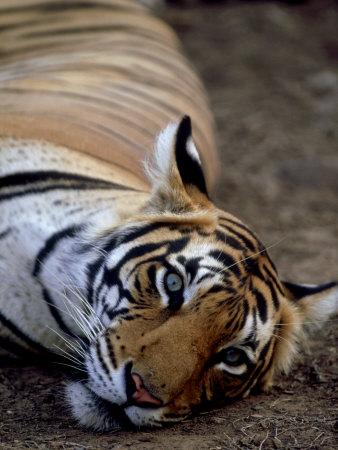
142 395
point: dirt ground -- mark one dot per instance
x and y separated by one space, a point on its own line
271 72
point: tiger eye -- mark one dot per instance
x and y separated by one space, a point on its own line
174 282
234 356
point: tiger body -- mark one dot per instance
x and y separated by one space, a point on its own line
160 301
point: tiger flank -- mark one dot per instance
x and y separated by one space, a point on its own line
115 260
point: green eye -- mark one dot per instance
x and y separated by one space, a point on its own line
234 356
173 282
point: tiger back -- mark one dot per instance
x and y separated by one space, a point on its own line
99 78
160 301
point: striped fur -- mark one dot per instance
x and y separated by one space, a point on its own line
104 78
158 300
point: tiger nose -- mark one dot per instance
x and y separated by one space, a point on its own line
141 395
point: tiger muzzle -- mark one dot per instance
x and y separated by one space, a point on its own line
136 391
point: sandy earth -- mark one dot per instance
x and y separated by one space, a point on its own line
271 73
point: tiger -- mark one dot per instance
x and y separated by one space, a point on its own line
160 302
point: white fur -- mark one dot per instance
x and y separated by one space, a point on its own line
144 417
192 150
319 308
158 167
85 410
234 370
110 387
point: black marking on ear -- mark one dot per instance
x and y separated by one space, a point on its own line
299 290
190 169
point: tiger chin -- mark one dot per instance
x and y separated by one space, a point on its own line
187 305
161 308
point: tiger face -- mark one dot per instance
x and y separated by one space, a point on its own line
190 306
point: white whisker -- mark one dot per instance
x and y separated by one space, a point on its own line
90 326
281 338
72 367
68 356
74 346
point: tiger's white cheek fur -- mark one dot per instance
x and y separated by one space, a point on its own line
87 411
85 408
144 417
109 384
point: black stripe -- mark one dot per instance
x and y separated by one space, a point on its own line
255 374
215 289
244 313
51 244
244 239
25 178
21 335
42 256
5 233
137 284
273 276
300 291
61 6
111 351
37 182
99 299
139 232
135 252
111 276
92 271
189 168
251 340
15 349
261 305
116 312
210 276
192 266
229 240
274 294
249 244
270 261
229 263
44 357
56 314
151 272
101 360
173 247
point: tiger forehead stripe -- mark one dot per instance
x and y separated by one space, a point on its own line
241 231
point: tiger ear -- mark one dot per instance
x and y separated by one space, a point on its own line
315 303
305 308
176 174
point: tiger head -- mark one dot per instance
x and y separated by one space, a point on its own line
192 308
